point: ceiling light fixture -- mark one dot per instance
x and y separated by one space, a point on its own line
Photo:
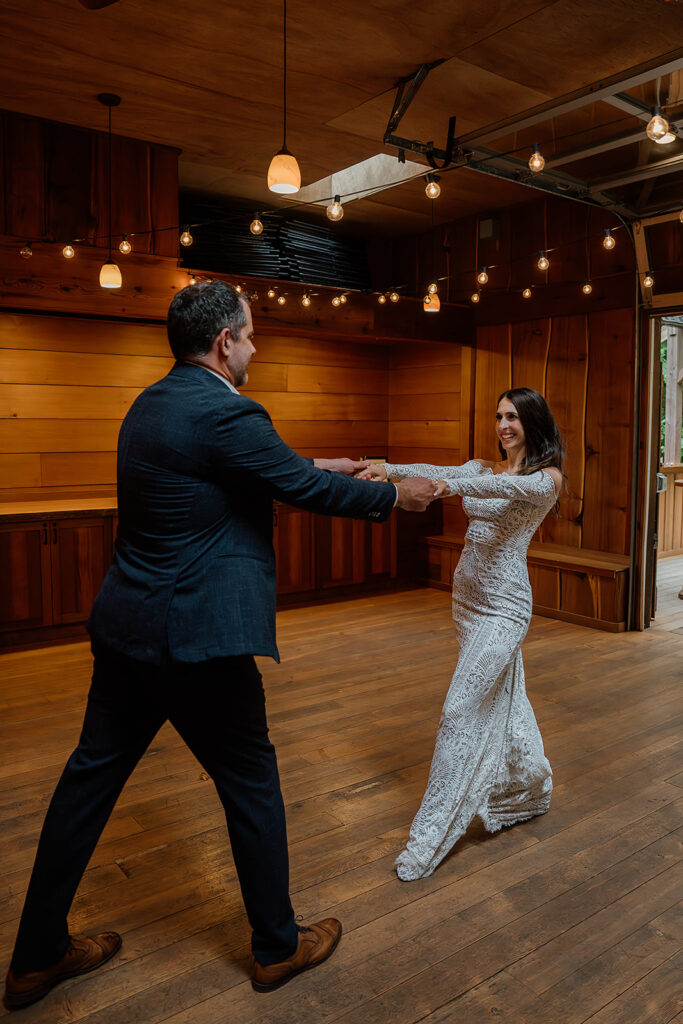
335 211
536 160
432 188
110 275
657 127
284 176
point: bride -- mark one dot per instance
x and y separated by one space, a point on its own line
489 760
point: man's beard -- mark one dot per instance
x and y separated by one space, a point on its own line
241 377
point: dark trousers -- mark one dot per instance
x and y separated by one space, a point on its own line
218 707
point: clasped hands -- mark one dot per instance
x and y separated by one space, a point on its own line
414 493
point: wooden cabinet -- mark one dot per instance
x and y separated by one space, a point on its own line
54 568
293 549
26 591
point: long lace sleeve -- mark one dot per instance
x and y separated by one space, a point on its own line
396 472
537 488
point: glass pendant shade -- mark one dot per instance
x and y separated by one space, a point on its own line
431 303
284 176
110 276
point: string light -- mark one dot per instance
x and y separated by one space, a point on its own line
68 252
335 211
526 294
256 227
657 126
306 300
432 288
394 296
342 299
587 288
680 216
336 301
648 280
432 188
186 238
281 300
381 299
536 160
26 252
431 303
482 276
609 241
238 289
474 297
193 279
124 245
543 262
271 293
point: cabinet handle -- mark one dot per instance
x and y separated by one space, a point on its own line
54 533
44 533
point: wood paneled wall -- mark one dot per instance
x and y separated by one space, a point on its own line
583 364
65 385
55 186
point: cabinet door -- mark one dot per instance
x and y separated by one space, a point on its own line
25 599
340 546
292 537
380 548
81 552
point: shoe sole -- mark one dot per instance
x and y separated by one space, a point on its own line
28 998
259 986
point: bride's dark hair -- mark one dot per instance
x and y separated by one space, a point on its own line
544 444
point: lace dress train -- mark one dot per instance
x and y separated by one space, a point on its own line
489 760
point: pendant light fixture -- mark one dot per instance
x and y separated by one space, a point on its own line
284 176
431 302
110 275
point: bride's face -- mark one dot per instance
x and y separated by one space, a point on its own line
509 427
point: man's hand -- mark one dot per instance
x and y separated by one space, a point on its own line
346 466
415 493
441 489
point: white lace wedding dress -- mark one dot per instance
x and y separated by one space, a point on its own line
489 760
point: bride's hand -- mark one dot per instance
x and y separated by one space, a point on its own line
374 472
441 489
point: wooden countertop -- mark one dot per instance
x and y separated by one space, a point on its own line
57 508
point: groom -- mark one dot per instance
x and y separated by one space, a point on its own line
188 601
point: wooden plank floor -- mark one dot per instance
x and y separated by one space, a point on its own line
669 605
572 917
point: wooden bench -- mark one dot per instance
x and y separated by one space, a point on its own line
573 584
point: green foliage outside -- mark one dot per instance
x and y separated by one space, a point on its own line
662 426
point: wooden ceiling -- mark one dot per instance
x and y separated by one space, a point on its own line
207 79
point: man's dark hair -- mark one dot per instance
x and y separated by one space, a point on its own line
199 312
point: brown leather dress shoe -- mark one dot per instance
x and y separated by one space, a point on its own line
316 943
85 953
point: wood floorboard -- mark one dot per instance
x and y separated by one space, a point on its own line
572 917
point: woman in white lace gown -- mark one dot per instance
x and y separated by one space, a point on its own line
489 760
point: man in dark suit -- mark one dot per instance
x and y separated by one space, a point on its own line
187 603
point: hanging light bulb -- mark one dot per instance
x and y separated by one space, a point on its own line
335 211
587 288
432 303
342 299
526 294
432 288
238 289
193 279
657 126
26 252
110 276
68 252
432 188
381 299
543 262
482 276
186 238
271 293
124 245
306 300
284 176
609 241
666 139
281 300
394 296
256 227
474 297
648 280
336 301
536 160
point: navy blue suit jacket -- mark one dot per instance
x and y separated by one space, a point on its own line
193 575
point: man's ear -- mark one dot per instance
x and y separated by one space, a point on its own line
224 342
